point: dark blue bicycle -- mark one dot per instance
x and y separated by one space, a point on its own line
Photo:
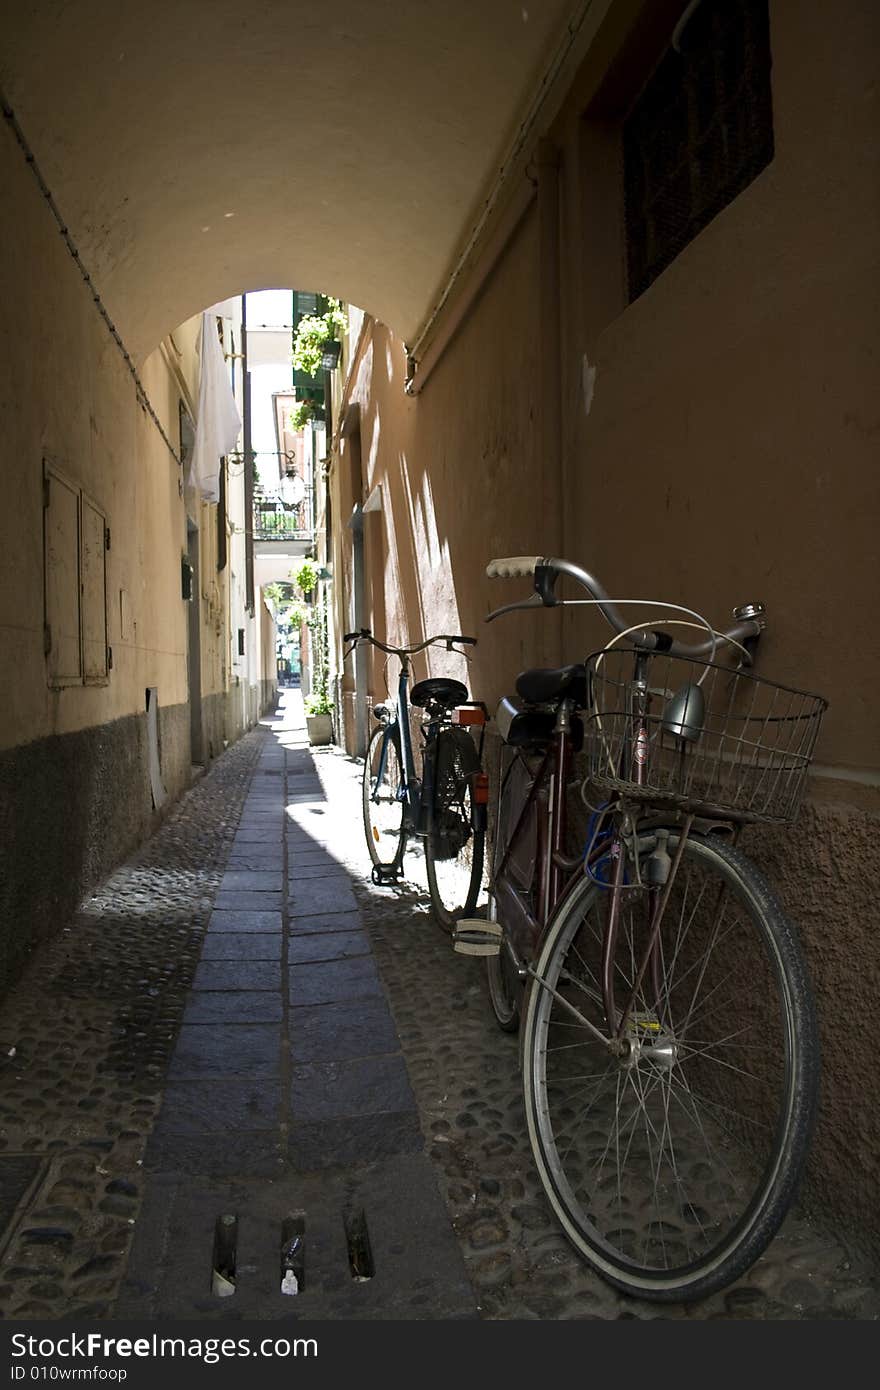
445 806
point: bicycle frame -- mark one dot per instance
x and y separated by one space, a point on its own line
411 793
557 874
554 870
416 793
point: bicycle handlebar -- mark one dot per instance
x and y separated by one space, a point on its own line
546 571
516 567
364 635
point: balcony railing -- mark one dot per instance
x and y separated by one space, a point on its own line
282 510
277 520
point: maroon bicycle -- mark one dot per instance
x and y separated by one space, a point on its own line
669 1044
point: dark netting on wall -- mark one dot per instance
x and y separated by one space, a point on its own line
698 134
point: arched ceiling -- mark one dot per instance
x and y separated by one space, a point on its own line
198 148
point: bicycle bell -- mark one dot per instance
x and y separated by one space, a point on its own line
685 712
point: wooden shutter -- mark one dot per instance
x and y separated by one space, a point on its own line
93 589
61 539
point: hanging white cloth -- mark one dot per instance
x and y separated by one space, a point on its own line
219 423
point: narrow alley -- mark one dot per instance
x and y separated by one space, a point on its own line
239 1025
330 336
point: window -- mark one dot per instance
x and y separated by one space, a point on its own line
75 544
698 134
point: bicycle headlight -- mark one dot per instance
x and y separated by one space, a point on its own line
685 713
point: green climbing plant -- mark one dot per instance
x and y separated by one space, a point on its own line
318 701
285 602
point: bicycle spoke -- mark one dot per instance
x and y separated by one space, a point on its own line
661 1149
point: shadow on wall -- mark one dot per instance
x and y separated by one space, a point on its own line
461 483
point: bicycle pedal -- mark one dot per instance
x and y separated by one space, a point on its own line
384 878
471 936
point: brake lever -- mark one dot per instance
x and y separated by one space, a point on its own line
533 601
545 580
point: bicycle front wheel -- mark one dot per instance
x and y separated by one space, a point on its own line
672 1161
384 789
455 844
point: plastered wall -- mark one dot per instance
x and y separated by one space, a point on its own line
75 788
66 395
730 449
725 453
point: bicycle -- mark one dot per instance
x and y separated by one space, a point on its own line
446 807
668 1039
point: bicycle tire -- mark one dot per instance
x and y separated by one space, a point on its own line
505 990
455 844
504 984
678 1211
383 817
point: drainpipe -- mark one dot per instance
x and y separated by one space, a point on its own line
549 286
250 598
361 674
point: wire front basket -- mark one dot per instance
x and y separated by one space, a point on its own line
704 738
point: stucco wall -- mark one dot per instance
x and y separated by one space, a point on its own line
726 456
66 395
461 480
730 451
75 791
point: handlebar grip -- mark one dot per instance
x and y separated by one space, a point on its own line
350 636
515 567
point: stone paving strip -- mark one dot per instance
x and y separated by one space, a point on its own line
288 1104
240 1037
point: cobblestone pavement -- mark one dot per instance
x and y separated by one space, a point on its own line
87 1036
85 1040
464 1073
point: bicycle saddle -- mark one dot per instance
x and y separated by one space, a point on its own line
444 692
562 682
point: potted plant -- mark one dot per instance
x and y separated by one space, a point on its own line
304 412
317 336
301 414
319 710
330 354
305 576
319 717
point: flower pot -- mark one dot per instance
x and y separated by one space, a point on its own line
320 728
330 350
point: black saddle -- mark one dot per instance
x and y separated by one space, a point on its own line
542 685
441 691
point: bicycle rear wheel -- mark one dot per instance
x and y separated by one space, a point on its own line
505 989
505 986
455 844
383 800
672 1166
